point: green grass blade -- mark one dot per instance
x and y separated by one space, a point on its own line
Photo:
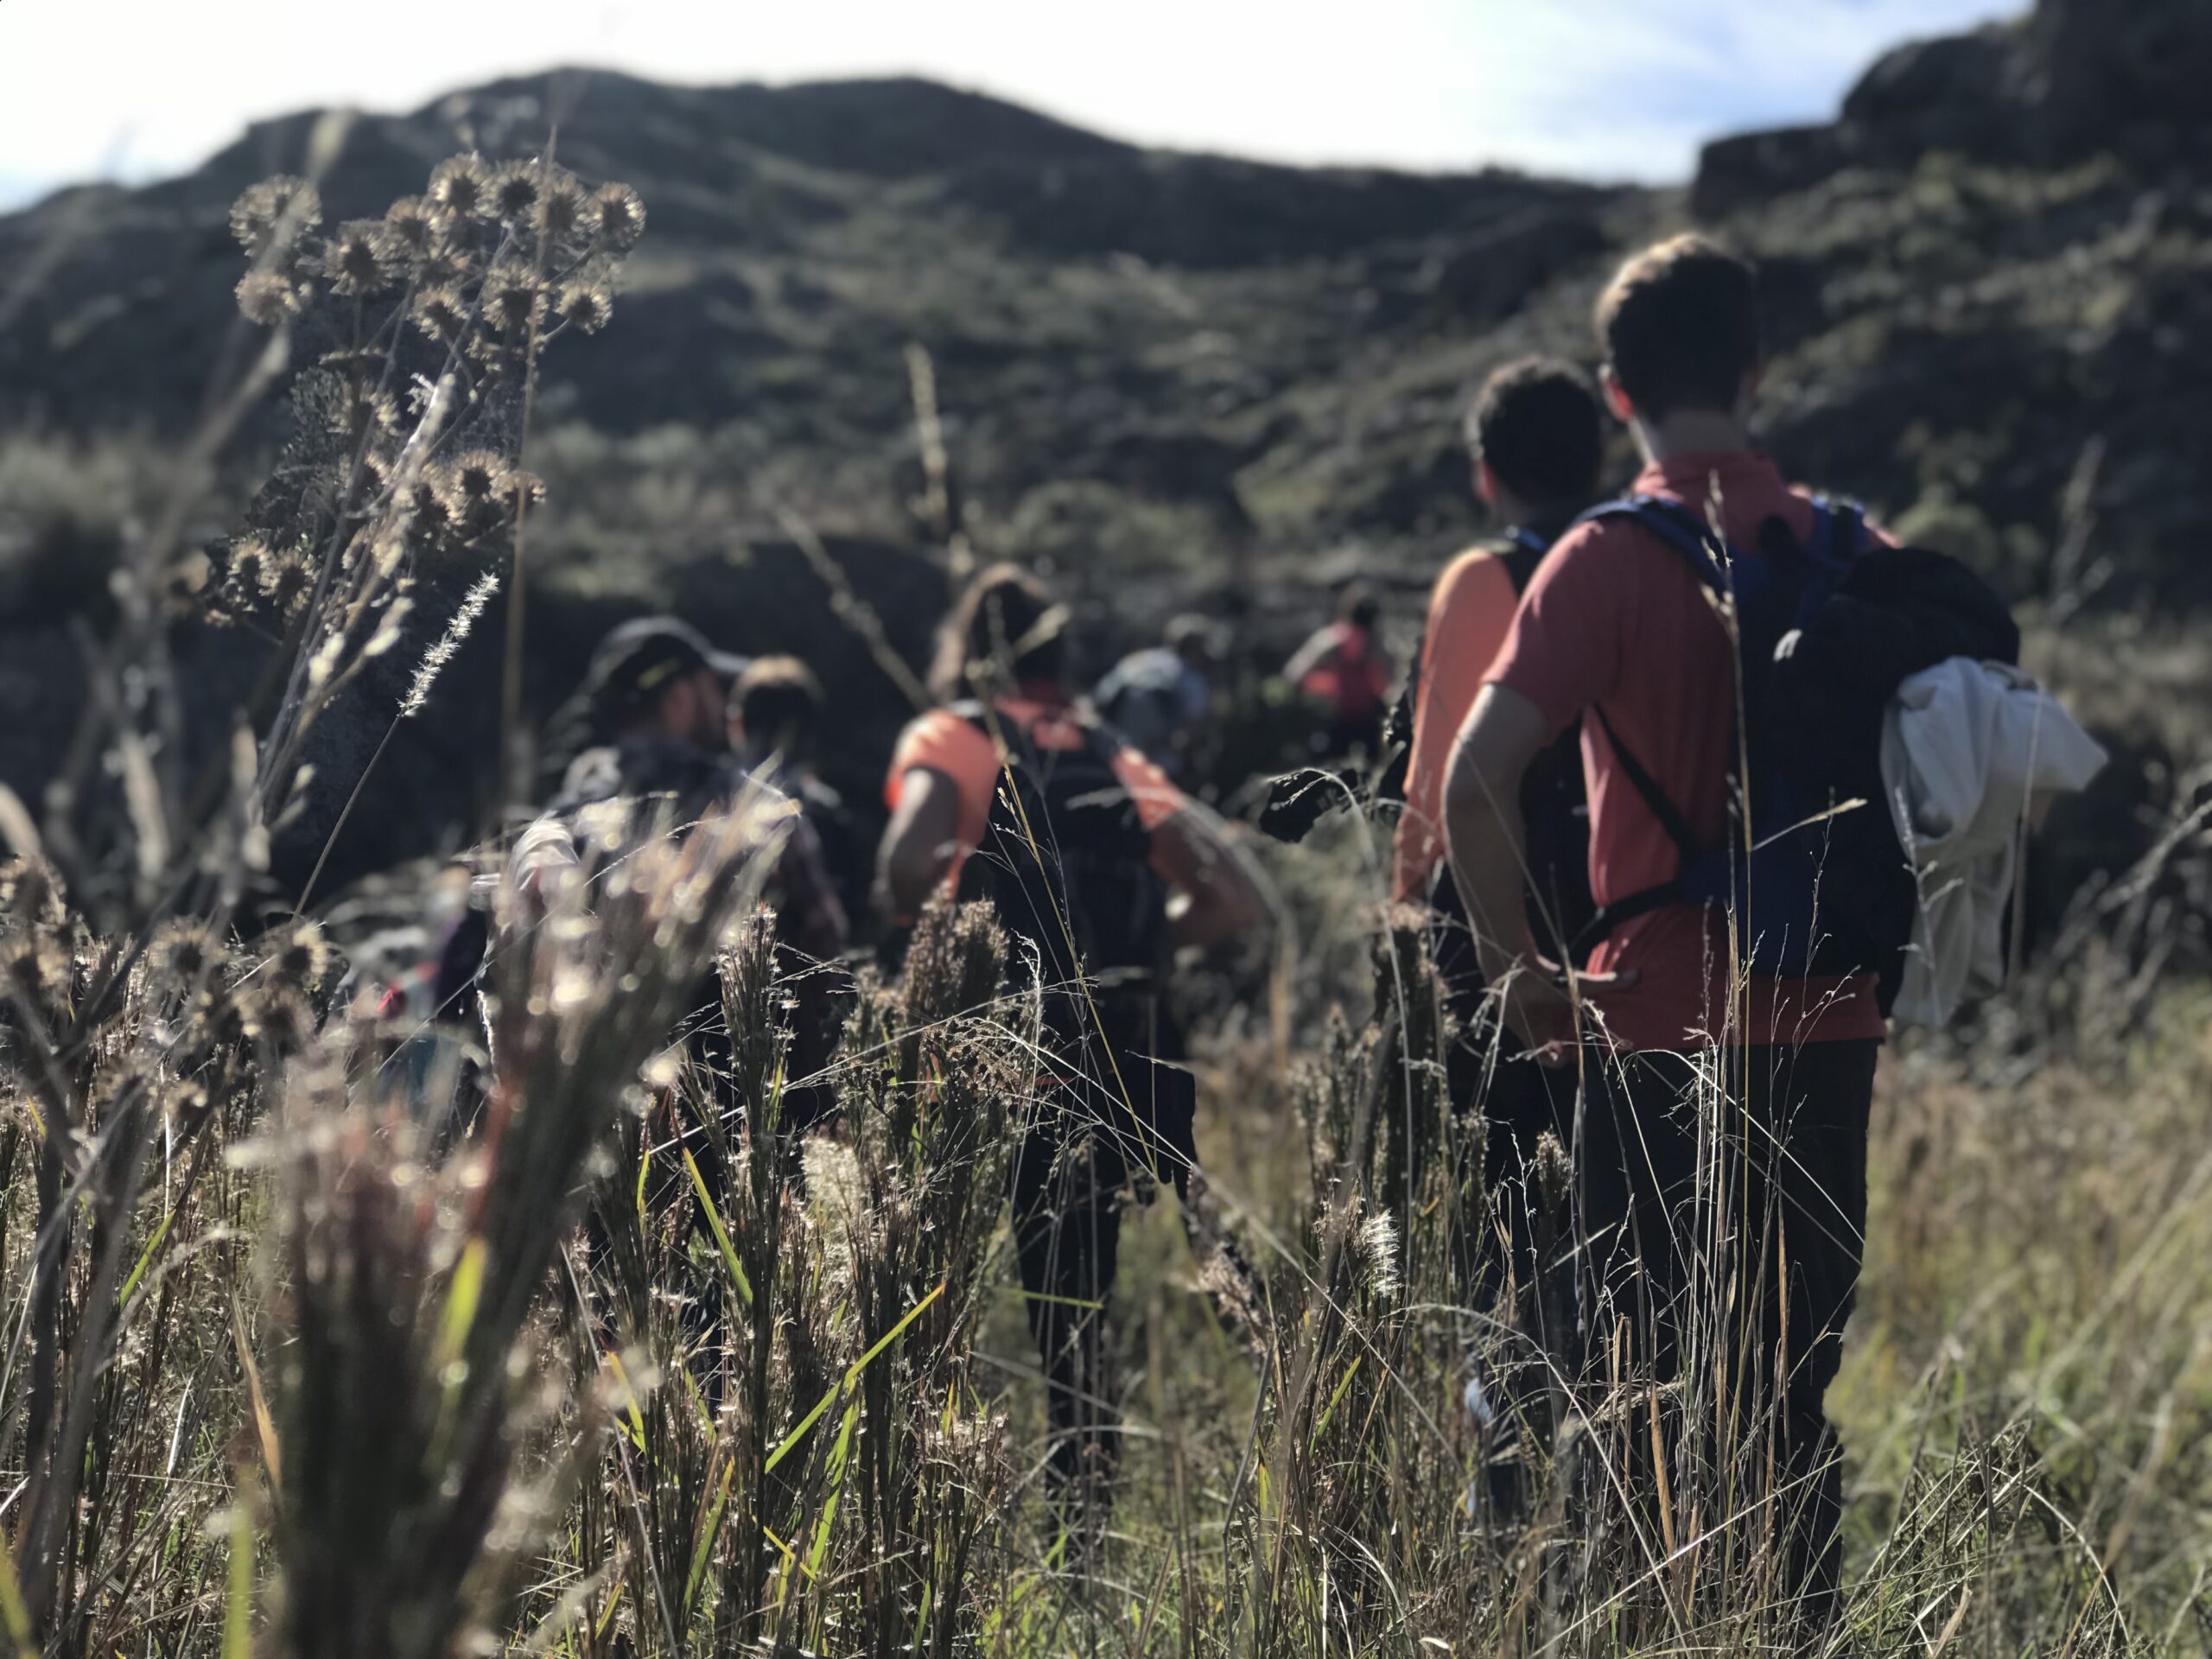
850 1378
715 1223
237 1602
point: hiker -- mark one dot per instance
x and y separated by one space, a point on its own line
1131 871
1159 698
1620 630
652 716
651 724
1344 672
777 721
1535 438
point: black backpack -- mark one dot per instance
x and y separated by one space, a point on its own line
1067 861
1554 809
1826 630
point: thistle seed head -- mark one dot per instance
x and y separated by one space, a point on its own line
285 582
517 188
299 957
249 565
459 189
442 314
354 261
514 300
182 953
561 205
268 297
617 218
584 305
409 231
479 474
275 214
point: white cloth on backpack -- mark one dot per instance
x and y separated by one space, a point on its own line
1970 751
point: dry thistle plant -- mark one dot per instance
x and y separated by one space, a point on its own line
151 1008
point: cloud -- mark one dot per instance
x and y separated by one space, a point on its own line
1621 88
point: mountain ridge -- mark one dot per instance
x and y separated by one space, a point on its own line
1179 379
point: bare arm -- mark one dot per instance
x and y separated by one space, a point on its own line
919 843
1502 733
1319 647
1215 897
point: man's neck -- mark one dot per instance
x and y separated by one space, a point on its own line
1692 432
1510 510
1547 519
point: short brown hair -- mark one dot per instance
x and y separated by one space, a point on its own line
1005 626
1536 424
779 700
1679 325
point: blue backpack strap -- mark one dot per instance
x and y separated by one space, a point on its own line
1674 525
1839 534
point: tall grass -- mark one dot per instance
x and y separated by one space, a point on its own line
327 1333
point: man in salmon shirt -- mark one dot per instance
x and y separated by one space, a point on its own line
1618 624
1129 871
1536 438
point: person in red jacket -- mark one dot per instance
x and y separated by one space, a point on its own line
1344 671
1675 1045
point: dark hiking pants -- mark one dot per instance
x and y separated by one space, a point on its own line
1111 1133
1517 1273
1723 1210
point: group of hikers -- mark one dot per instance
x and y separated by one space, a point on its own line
1607 884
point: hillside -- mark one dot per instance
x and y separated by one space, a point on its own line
1233 381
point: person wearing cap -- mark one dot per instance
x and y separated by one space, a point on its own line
651 724
651 717
1159 698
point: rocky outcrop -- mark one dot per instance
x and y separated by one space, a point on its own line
2070 79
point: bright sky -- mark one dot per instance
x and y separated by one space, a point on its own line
137 89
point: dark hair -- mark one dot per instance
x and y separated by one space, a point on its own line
1006 625
1680 326
780 702
1358 603
1537 424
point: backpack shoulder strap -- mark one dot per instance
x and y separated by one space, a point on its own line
1643 902
1674 525
1640 778
995 724
1839 533
1520 552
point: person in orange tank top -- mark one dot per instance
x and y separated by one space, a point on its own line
1535 437
1107 870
